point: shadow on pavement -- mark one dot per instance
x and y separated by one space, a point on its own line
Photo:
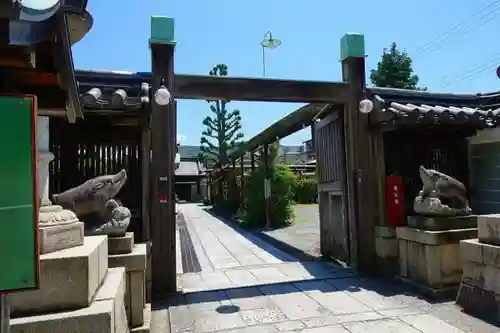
263 237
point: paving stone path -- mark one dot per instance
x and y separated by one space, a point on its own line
246 285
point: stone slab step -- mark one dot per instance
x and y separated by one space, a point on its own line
106 314
121 245
135 264
146 327
69 279
133 261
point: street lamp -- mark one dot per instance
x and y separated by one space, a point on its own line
268 42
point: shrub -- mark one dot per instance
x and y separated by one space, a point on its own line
305 189
253 213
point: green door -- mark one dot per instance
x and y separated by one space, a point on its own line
18 194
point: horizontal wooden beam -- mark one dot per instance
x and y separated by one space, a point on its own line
257 89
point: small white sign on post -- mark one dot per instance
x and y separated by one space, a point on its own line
267 188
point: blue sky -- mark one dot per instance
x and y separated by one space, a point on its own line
230 31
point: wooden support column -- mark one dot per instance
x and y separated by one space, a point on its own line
209 190
242 174
267 187
361 187
163 147
313 137
146 177
234 171
252 159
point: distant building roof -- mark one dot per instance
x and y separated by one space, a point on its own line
189 168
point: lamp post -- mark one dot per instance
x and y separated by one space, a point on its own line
268 42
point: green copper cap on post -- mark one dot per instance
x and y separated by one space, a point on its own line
162 30
352 45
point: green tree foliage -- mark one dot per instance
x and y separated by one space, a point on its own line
222 129
253 213
395 70
305 189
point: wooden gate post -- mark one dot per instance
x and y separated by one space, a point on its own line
163 144
267 187
361 189
242 183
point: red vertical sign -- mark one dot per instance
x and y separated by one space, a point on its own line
395 200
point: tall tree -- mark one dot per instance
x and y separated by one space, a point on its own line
395 70
222 129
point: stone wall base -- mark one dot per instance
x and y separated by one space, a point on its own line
387 250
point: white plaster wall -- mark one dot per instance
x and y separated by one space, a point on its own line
489 135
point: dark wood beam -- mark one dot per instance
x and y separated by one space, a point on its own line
163 146
256 89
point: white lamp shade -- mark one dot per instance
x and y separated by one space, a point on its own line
162 96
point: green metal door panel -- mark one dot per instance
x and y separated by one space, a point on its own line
18 194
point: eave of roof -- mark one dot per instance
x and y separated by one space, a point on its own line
397 106
290 124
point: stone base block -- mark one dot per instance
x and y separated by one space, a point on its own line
479 292
432 258
387 250
149 278
439 294
479 302
69 279
121 245
106 314
146 327
438 223
489 228
135 296
60 236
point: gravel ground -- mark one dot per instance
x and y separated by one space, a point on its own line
303 234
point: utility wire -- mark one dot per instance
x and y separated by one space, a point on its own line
460 27
473 72
483 16
465 27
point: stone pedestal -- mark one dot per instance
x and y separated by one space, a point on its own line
480 288
58 228
78 293
135 263
387 250
430 259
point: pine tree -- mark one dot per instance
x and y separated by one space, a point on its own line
222 129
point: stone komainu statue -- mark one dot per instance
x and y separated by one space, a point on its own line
441 195
94 204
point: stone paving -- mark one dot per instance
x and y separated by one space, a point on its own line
234 258
285 295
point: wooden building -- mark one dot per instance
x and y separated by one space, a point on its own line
190 180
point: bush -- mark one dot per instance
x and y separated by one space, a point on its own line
226 198
305 189
253 213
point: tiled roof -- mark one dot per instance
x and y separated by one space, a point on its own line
112 90
395 105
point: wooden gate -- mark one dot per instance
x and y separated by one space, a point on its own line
332 184
95 147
